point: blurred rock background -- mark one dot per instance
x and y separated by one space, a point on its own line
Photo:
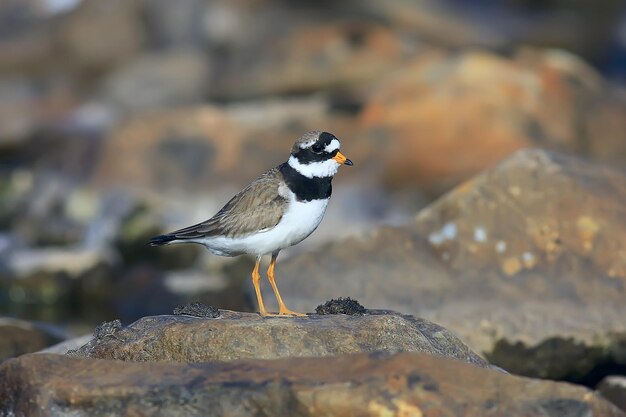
122 119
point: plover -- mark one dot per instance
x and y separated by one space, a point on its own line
279 209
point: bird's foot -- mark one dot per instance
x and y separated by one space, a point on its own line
284 313
287 312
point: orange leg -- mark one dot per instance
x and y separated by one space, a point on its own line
270 275
256 280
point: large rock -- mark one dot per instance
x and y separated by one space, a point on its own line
525 262
405 384
245 336
451 115
20 336
613 388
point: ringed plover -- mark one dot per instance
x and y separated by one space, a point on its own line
279 209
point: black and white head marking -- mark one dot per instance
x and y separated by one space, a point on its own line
312 155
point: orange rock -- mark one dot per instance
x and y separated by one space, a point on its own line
449 116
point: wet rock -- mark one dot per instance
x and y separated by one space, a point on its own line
197 310
525 262
245 335
156 80
401 384
451 115
21 336
613 388
341 306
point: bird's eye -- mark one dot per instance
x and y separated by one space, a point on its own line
316 148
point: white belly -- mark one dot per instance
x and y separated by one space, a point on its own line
298 222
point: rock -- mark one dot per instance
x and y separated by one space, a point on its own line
135 230
525 263
156 80
442 24
35 207
174 24
246 335
451 115
17 118
62 282
310 58
460 24
613 388
406 384
185 148
21 336
86 41
194 148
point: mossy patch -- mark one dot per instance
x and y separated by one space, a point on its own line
341 306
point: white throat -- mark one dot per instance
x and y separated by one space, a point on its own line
315 169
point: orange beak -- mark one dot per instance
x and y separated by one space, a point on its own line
340 158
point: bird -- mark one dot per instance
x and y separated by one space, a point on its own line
279 209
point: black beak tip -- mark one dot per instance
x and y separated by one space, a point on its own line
348 162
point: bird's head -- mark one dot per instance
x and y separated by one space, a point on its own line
316 154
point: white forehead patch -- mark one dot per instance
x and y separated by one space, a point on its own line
332 146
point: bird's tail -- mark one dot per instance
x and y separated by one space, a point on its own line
161 240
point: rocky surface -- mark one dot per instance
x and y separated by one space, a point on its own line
108 137
235 335
451 115
525 262
20 336
405 384
613 388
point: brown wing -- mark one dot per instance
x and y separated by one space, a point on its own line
256 207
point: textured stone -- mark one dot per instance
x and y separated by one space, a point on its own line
245 336
525 262
406 384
